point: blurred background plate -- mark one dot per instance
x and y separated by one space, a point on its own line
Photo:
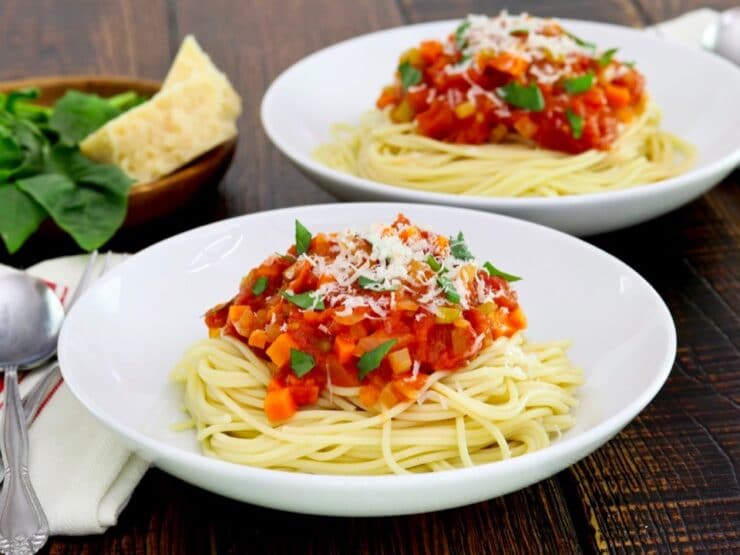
696 91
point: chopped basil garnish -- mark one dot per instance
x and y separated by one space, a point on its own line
433 264
374 285
259 286
448 288
607 56
581 42
459 248
579 84
372 359
493 271
301 362
529 97
459 34
307 301
410 76
519 33
464 59
576 123
629 64
302 238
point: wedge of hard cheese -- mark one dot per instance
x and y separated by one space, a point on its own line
195 110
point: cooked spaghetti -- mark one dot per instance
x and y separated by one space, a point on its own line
510 106
374 352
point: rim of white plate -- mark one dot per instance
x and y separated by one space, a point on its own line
301 159
557 450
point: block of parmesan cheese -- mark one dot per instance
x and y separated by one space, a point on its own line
195 110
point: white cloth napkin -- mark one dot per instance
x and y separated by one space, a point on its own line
82 473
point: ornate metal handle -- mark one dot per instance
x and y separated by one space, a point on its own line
23 526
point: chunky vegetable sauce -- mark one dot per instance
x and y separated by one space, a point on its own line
380 309
515 75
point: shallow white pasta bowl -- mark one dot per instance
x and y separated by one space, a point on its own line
123 337
696 90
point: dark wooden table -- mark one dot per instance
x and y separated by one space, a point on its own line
667 483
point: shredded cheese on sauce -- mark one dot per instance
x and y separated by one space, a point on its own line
387 264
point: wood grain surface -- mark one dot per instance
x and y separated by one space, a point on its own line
667 483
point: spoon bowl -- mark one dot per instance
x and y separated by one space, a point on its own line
30 319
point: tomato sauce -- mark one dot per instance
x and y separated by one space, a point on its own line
299 317
456 92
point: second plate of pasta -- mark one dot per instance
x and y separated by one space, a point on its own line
582 126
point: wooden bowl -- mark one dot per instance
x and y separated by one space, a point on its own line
147 201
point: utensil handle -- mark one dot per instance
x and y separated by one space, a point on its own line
23 526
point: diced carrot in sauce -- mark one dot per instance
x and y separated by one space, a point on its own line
617 96
369 395
279 405
258 338
344 348
279 351
236 311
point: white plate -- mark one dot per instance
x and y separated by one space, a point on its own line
697 91
122 338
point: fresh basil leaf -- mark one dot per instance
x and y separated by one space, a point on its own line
576 123
372 359
464 59
90 215
11 154
580 41
20 216
459 248
460 34
607 56
410 76
433 264
302 238
449 289
28 140
307 301
301 363
374 285
17 100
493 271
579 84
69 161
527 97
629 64
78 114
259 286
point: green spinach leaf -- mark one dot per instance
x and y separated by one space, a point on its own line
90 215
20 216
77 114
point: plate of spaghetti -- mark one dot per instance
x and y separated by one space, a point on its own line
586 127
367 359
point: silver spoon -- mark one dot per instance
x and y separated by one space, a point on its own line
724 36
30 319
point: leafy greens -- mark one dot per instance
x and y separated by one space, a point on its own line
44 175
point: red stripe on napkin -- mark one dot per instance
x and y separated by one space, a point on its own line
45 402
